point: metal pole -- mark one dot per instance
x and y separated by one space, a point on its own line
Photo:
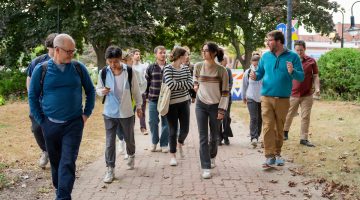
352 19
342 30
58 19
289 24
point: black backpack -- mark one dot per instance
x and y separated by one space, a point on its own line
103 79
44 67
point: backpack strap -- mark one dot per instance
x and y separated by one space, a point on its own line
103 79
44 67
78 70
130 74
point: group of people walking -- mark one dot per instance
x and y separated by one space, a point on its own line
55 85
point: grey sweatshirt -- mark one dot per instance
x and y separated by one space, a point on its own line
251 89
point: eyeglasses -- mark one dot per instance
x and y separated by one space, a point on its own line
269 40
205 50
69 52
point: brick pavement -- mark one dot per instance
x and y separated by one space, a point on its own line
238 174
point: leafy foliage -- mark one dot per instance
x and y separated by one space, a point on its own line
145 23
12 83
340 73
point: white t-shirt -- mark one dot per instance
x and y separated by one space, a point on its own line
140 70
119 86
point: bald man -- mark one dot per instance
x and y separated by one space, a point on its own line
56 105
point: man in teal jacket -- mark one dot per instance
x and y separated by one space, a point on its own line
277 68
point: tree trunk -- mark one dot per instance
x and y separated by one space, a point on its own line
235 44
100 54
248 55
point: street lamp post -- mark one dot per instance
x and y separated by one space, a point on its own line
353 30
342 28
289 24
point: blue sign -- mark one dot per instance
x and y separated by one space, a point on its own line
281 27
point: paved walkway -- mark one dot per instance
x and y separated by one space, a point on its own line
238 174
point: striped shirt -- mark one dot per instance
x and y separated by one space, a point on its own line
179 82
153 77
213 85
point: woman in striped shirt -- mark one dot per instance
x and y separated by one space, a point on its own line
178 77
211 82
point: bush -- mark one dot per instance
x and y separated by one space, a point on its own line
340 73
2 101
12 83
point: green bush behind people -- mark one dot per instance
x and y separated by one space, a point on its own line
340 74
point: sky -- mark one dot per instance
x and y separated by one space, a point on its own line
337 17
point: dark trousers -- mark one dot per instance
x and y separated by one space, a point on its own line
115 126
178 113
225 128
208 148
255 118
63 142
38 133
143 108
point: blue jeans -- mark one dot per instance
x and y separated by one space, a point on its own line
154 126
62 143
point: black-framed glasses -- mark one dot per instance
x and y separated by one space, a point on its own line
69 52
204 50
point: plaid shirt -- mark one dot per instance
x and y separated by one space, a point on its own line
153 77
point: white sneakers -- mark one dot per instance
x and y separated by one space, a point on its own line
206 174
173 161
212 160
122 147
44 159
131 162
109 176
153 148
164 149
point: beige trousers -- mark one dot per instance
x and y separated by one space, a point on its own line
305 104
273 111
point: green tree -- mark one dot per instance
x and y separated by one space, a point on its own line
245 23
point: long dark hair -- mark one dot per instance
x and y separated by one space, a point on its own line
214 49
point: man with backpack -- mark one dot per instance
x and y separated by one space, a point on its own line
35 127
55 99
119 86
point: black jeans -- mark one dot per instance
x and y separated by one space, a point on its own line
179 113
255 118
38 133
208 147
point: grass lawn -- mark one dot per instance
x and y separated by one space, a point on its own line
19 150
335 130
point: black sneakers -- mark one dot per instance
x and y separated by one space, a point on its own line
307 143
286 135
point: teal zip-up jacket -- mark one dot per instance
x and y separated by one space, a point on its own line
277 82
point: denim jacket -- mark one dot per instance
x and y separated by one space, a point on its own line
114 108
